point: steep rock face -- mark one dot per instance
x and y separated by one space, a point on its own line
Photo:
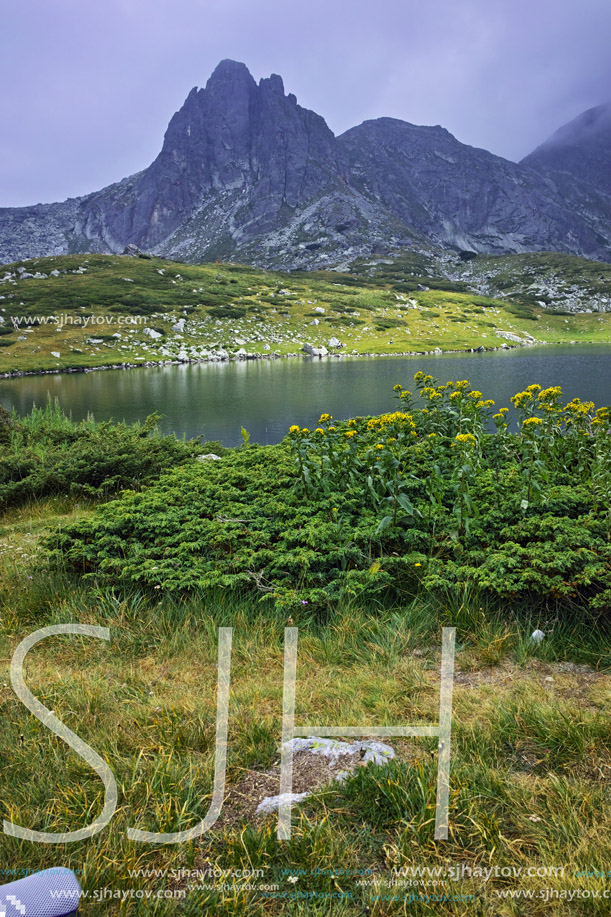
461 196
246 173
249 146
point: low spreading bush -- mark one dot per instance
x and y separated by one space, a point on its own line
46 453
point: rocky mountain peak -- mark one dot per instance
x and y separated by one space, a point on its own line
229 71
246 173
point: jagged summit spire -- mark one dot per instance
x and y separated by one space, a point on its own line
273 82
230 72
227 65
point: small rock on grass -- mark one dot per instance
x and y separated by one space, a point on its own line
272 803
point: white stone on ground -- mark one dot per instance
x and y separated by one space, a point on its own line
370 751
272 803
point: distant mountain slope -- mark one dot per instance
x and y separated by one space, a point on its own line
577 160
581 149
245 173
460 196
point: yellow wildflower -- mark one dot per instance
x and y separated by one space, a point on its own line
521 398
550 394
325 418
466 438
294 429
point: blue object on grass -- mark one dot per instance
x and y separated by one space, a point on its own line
50 893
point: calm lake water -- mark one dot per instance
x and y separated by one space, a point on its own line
215 399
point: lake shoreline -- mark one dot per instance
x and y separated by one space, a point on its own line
252 358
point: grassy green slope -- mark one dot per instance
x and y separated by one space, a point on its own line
104 303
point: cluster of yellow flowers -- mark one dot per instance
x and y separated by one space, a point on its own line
602 416
521 399
534 401
550 395
420 377
466 438
576 407
432 393
532 422
377 423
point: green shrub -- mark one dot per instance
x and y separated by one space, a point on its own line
46 453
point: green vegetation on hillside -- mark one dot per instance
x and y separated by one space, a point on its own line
558 281
75 312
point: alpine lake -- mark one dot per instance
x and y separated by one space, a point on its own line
215 400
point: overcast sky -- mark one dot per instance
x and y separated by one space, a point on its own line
88 88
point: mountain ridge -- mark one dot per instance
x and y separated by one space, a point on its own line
246 173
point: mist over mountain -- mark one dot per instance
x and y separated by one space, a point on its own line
247 174
581 149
